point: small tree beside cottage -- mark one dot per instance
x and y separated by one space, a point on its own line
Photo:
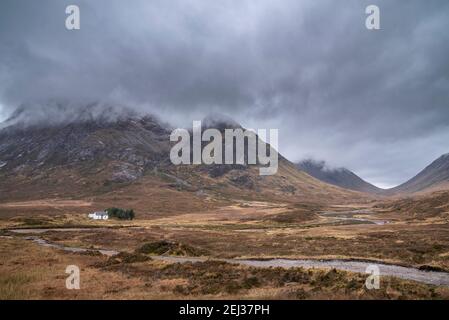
121 214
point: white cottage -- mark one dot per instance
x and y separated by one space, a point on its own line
99 215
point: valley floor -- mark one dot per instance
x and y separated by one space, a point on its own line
241 230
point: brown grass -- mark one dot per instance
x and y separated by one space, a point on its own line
42 276
222 229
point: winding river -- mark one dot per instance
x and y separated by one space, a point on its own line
408 273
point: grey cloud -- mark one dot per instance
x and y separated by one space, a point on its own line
373 101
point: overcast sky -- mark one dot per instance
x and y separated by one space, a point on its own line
376 102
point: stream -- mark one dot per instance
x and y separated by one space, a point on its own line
45 243
408 273
353 216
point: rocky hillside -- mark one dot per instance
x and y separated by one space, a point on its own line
99 151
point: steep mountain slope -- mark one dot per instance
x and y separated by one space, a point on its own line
78 158
126 157
435 176
341 177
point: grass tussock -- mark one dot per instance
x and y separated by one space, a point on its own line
294 216
13 286
217 279
125 258
164 247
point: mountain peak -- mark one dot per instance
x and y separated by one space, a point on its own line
322 165
53 112
338 176
219 121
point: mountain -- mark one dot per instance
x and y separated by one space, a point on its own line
341 177
78 157
435 176
111 156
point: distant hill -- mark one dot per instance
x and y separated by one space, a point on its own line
341 177
435 176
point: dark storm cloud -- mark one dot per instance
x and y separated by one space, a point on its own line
373 101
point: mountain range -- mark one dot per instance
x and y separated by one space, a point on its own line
432 178
97 155
103 150
341 177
